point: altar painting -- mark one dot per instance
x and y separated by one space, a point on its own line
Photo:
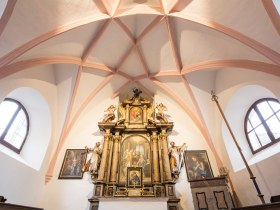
135 152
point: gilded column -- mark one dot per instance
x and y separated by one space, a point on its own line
115 160
165 157
101 173
156 174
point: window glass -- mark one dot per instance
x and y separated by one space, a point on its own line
274 125
274 105
249 127
262 124
265 110
262 134
7 110
254 141
254 119
14 124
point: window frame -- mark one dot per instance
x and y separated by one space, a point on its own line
2 137
263 122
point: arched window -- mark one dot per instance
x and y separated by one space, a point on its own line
262 124
14 124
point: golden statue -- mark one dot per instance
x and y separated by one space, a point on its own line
110 116
160 115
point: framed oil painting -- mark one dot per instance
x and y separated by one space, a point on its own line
135 152
197 165
136 115
134 177
73 163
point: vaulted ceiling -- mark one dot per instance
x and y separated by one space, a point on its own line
151 44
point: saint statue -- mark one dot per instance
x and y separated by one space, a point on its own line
92 165
176 158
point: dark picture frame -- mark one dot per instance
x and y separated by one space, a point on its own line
197 165
134 177
72 165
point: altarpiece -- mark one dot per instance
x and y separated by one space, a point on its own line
135 157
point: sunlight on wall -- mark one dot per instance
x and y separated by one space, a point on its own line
240 102
33 152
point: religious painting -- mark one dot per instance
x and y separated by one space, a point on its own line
197 165
134 177
73 163
136 115
135 152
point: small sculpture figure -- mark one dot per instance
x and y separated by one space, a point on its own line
150 112
121 114
110 116
92 165
160 115
176 158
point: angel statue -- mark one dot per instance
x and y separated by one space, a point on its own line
92 165
110 115
160 114
176 158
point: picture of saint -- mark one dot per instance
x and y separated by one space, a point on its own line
135 152
134 178
73 163
135 115
197 165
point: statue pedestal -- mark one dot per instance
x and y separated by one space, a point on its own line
133 203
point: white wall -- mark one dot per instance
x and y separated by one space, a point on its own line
22 176
237 90
25 185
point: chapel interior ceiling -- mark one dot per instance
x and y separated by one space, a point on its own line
107 47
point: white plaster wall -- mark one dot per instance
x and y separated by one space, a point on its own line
22 176
229 88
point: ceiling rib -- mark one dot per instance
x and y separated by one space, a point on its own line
95 40
38 40
164 74
125 56
125 75
67 130
247 64
21 65
264 50
7 14
106 7
99 66
185 107
126 30
142 60
174 49
65 124
272 13
156 21
209 139
117 8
